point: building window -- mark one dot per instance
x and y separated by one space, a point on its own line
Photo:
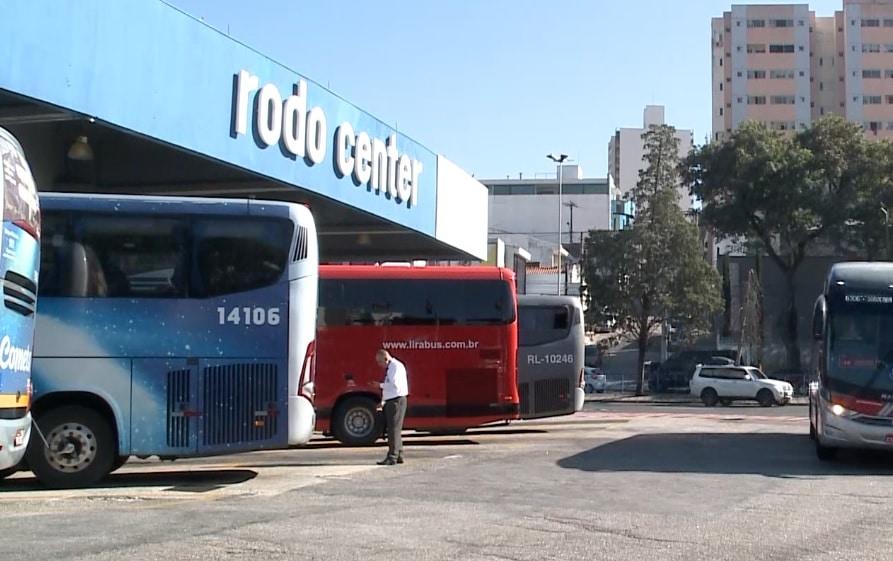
781 48
888 22
781 74
873 126
871 100
756 47
783 100
755 23
871 47
889 99
756 74
871 22
888 73
871 73
781 23
888 47
756 100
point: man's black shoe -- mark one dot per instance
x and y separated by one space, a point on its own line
400 460
387 462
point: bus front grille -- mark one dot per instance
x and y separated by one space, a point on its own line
240 403
19 293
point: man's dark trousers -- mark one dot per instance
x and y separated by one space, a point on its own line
394 412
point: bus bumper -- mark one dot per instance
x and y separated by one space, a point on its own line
301 420
14 438
854 432
579 399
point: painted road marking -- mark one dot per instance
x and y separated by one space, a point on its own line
598 415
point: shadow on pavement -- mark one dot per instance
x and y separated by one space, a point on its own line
770 454
407 442
194 481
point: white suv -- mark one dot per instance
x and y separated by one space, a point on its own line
727 383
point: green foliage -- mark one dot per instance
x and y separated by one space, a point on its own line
655 269
788 191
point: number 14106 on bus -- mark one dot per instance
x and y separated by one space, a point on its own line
551 359
248 316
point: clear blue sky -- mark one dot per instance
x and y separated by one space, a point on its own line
495 85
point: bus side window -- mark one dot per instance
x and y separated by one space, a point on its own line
132 256
560 319
239 255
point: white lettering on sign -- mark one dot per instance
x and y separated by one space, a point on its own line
869 298
14 358
550 359
302 133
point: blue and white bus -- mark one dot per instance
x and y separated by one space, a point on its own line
170 327
19 264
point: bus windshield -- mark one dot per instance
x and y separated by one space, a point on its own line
860 350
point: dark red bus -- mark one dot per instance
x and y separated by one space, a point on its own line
455 328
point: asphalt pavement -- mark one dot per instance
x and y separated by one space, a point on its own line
617 481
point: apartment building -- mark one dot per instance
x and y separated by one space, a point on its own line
784 66
626 151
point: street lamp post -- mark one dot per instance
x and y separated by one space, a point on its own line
886 232
560 159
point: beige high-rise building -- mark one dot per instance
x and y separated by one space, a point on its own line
782 65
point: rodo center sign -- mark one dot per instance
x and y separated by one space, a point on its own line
303 133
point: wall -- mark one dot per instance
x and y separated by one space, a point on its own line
807 285
537 215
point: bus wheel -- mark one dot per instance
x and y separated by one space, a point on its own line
118 463
4 473
824 453
80 448
357 423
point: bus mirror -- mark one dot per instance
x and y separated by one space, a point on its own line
819 316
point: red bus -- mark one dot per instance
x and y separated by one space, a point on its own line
455 328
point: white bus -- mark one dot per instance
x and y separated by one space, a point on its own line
170 327
19 263
551 343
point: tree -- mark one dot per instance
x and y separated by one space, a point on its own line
784 190
865 232
655 269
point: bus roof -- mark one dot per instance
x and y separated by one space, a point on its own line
426 272
860 275
548 300
52 200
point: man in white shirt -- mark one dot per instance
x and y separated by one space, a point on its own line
394 390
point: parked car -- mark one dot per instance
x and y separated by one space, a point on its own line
727 383
677 370
595 381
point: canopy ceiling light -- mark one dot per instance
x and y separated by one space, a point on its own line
80 150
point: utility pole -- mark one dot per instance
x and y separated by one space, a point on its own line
570 230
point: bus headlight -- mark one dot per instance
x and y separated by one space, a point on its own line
841 411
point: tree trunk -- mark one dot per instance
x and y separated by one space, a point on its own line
640 364
792 335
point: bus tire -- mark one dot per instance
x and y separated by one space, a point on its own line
357 423
824 453
4 473
81 448
118 463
